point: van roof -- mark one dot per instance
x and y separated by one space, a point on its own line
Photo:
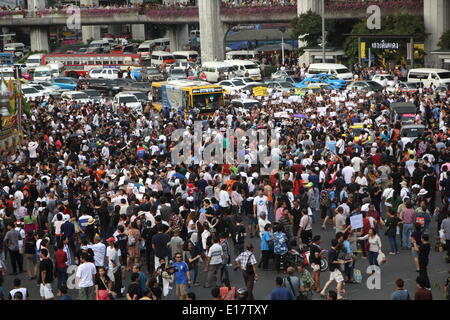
13 44
242 52
217 64
428 70
327 65
33 56
185 52
162 53
240 62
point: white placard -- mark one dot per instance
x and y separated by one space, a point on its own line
356 221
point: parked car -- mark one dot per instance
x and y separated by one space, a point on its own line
78 96
411 132
177 73
232 85
379 78
127 99
409 87
141 96
65 83
282 74
283 86
29 92
107 73
94 95
365 86
246 104
151 74
328 78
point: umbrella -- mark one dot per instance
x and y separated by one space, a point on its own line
298 115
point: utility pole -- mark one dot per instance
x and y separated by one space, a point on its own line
283 30
323 31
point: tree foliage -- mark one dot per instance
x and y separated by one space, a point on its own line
308 23
444 41
403 24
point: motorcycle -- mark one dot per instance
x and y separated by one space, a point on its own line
295 257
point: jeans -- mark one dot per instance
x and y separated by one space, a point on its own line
62 276
270 213
265 259
118 282
393 243
348 269
194 275
406 236
373 258
424 275
16 259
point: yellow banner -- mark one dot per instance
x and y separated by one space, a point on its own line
260 91
363 50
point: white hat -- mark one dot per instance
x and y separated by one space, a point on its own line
422 192
255 175
416 186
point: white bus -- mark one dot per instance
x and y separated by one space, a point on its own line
212 70
162 58
185 56
146 47
241 55
338 70
246 68
428 76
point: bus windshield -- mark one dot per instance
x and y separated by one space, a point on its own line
207 101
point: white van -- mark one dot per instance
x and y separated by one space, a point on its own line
146 47
7 73
211 70
18 48
104 45
246 68
33 61
241 55
42 73
56 69
185 56
160 58
338 70
426 76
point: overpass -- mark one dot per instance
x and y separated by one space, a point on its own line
214 19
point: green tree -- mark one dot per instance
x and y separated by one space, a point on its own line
308 23
403 24
444 41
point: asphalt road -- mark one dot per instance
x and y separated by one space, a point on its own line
399 266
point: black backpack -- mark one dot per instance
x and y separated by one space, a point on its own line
239 237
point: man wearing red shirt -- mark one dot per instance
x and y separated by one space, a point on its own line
61 264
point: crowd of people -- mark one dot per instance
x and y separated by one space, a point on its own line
99 190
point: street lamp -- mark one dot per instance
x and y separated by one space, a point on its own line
283 30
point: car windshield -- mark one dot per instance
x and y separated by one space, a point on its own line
238 83
38 87
29 90
251 66
80 95
127 99
287 85
332 78
93 93
343 70
412 132
249 105
152 71
177 71
389 78
411 85
140 95
444 75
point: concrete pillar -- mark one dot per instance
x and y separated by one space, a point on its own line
138 30
178 36
39 39
303 6
90 32
211 31
436 15
36 4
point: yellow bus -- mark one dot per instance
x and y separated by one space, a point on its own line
186 94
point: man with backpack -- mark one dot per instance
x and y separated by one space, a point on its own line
293 283
239 235
247 262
